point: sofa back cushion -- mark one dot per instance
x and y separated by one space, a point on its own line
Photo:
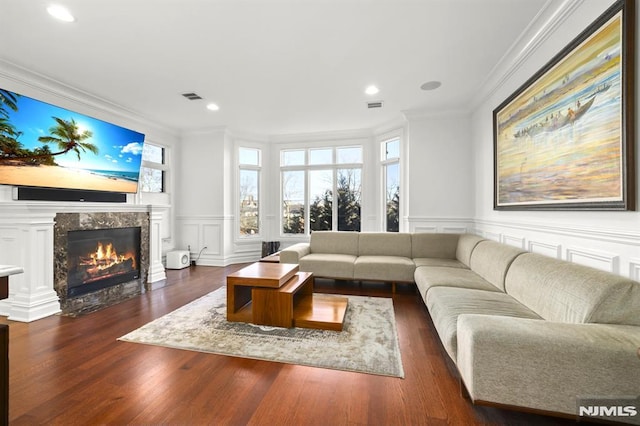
562 291
466 244
491 260
385 244
435 246
334 242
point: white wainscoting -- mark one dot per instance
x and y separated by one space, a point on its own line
596 259
634 269
440 225
612 250
514 240
205 237
545 248
26 240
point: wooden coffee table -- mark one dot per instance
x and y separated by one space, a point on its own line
277 294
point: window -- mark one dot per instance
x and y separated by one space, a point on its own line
321 189
152 173
391 184
293 200
349 192
321 198
249 191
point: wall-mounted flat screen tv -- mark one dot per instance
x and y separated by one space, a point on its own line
42 145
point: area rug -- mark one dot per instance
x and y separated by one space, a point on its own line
368 342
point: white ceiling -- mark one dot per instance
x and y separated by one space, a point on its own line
273 66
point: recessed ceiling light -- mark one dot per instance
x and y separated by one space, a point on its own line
213 107
61 13
371 90
431 85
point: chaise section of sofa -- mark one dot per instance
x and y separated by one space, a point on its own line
578 340
525 331
546 366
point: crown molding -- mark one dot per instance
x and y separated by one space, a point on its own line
217 130
390 126
428 113
44 84
322 136
247 136
543 25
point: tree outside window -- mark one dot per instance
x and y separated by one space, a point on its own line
293 202
391 184
249 191
326 183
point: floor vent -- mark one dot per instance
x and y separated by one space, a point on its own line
375 104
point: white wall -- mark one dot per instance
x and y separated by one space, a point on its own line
200 210
440 193
605 240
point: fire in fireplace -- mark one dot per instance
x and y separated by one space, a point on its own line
101 258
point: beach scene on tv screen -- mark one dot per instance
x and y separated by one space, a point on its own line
48 146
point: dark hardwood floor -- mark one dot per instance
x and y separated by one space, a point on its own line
73 371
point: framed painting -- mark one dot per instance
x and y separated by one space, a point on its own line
565 138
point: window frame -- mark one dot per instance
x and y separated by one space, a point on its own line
384 166
163 167
252 167
334 166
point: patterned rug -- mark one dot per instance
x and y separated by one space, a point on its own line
368 342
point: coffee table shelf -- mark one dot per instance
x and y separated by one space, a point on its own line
321 311
253 295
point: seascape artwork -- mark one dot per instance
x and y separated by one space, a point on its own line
44 145
560 140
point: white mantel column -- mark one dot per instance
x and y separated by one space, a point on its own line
156 268
27 240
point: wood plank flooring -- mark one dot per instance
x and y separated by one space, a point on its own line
73 371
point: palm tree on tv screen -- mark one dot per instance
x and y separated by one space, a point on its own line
9 145
9 100
67 136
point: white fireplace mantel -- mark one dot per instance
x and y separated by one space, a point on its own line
26 239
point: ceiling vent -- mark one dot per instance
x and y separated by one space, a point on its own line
191 96
374 104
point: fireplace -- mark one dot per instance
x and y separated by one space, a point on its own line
101 258
86 295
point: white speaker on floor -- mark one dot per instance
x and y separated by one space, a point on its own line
178 259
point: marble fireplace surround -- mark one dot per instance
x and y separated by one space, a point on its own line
27 240
93 301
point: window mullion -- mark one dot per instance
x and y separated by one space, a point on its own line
334 201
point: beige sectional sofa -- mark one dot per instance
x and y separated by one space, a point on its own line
524 330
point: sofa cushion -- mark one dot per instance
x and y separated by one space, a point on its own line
427 277
466 244
449 263
385 244
384 268
334 242
445 304
328 265
567 292
432 245
491 260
